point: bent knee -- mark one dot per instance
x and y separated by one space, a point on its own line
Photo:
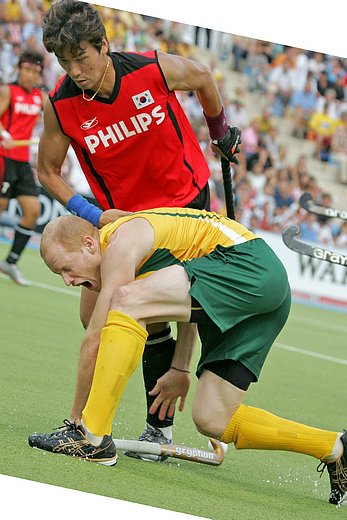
126 299
208 423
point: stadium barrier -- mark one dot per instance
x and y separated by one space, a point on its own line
313 281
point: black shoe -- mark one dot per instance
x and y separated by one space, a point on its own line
71 440
337 475
150 435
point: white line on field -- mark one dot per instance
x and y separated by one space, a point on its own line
311 353
282 346
69 292
319 323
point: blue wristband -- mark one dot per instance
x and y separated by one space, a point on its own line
79 206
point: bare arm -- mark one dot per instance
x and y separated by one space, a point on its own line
52 151
53 148
185 74
128 246
44 98
5 98
176 381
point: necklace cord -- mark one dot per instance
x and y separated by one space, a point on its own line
101 83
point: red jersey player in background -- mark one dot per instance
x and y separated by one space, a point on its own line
137 150
20 105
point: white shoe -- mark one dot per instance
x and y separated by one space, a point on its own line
13 272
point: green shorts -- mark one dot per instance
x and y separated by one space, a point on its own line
245 293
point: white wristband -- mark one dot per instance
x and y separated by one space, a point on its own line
4 133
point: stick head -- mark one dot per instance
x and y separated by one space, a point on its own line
289 233
218 451
304 200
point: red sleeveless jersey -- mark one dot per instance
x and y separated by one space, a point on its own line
137 148
20 119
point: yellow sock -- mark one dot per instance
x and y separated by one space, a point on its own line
121 347
253 428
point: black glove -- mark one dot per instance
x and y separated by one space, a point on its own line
229 144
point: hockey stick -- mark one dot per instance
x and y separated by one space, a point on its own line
212 458
26 142
228 188
288 236
306 202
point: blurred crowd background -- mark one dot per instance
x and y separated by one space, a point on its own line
291 105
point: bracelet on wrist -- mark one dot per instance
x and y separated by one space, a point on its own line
80 207
181 370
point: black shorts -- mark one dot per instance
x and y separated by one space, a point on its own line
16 179
201 201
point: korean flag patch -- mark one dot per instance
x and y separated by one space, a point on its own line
143 99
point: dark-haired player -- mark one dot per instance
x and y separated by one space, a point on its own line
134 142
20 105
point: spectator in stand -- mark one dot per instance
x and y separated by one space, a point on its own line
314 188
33 29
256 65
339 148
281 85
325 234
266 205
216 202
192 107
316 64
334 69
283 53
329 103
9 56
244 201
300 169
250 143
322 128
272 144
204 140
339 88
309 228
186 48
268 50
237 112
217 73
301 68
13 12
283 195
239 51
341 238
265 120
265 157
302 104
281 160
257 178
323 84
29 10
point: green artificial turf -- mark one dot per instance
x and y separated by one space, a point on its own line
40 338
